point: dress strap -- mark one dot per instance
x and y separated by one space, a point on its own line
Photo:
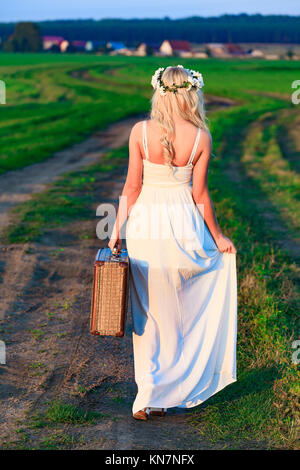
145 144
195 146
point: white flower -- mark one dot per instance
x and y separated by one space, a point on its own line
181 66
154 82
162 92
191 81
155 77
200 80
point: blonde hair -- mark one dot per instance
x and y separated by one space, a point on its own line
188 104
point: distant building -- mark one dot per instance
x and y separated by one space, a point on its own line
272 56
89 46
124 51
79 45
256 53
217 50
199 50
115 45
234 49
50 41
149 48
141 50
64 45
200 55
84 46
175 47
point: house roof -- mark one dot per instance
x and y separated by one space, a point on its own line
116 44
178 45
77 43
234 48
53 38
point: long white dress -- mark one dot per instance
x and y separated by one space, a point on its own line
183 293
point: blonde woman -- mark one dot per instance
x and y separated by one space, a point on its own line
182 267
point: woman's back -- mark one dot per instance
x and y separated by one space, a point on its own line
183 142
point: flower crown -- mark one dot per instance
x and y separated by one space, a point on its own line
195 80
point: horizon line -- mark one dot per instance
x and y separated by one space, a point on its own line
165 17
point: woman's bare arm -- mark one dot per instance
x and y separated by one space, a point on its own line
132 186
202 197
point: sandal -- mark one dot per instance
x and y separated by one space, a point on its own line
158 411
142 415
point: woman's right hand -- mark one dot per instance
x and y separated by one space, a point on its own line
115 243
225 245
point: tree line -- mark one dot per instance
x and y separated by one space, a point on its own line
226 28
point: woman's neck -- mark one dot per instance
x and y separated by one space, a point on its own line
178 119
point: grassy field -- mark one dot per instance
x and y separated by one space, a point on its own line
53 101
51 106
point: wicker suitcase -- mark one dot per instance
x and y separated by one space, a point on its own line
110 293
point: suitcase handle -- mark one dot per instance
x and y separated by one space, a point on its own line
115 254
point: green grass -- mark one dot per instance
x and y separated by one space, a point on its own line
37 333
48 107
46 429
239 419
57 441
58 412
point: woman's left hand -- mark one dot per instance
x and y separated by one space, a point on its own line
115 242
225 245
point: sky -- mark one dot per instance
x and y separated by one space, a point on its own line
38 10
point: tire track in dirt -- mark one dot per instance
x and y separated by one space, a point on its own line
18 269
18 186
267 209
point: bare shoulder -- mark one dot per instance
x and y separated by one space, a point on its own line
137 126
205 141
136 130
205 137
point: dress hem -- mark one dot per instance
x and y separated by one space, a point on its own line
189 403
